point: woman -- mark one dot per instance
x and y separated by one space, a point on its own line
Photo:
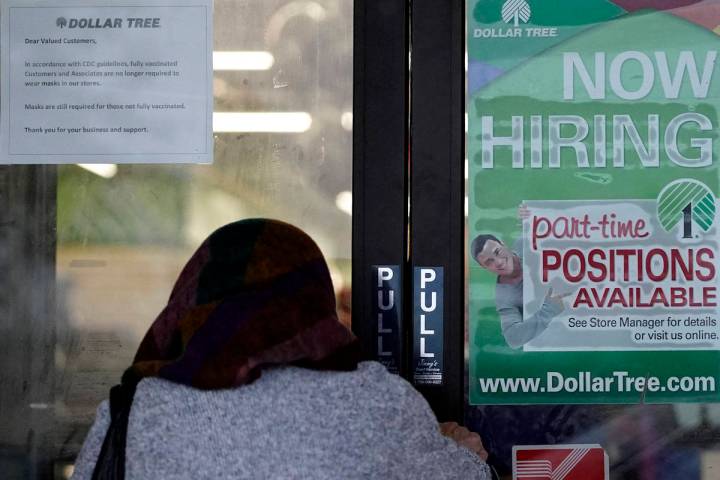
247 373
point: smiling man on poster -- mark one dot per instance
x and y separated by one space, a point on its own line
491 254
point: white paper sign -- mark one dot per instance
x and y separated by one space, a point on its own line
104 83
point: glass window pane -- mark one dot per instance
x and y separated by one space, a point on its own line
283 139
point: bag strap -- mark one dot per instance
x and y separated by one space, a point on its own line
111 461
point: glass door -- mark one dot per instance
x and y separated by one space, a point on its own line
90 251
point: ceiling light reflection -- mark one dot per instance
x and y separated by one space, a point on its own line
242 60
343 201
105 170
261 122
346 120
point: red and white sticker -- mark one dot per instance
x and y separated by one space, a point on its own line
560 462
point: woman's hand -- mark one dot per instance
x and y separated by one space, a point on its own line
464 438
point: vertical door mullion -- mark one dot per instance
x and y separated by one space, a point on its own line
380 111
437 182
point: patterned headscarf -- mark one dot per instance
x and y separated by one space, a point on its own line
257 293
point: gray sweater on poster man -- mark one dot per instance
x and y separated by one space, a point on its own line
292 423
509 304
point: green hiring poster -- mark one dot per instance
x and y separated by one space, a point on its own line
592 220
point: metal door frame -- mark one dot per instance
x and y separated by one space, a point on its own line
408 169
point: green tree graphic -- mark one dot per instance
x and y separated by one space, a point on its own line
685 202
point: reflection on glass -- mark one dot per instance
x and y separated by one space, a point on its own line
283 136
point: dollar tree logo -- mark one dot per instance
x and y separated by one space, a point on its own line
686 203
516 11
61 22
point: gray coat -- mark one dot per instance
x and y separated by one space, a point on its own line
509 303
292 423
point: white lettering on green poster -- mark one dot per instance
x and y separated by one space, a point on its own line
592 219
